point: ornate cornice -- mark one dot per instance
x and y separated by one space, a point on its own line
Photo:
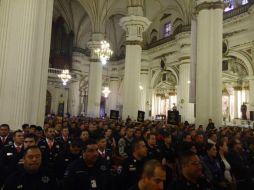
209 5
237 88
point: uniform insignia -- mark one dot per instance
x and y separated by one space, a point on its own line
103 168
119 169
9 154
45 179
93 183
66 160
57 146
108 158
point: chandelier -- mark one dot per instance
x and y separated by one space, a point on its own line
106 91
65 76
104 52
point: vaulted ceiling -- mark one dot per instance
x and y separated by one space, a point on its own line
85 17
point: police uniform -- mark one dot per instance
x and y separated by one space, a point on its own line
132 171
49 154
9 159
65 143
21 179
154 153
79 176
63 159
8 141
183 184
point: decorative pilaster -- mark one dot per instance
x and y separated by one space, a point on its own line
134 26
95 78
209 59
24 53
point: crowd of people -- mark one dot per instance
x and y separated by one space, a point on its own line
103 154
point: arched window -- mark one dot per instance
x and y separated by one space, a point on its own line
229 5
167 29
232 4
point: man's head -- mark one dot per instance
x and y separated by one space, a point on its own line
139 149
32 129
25 128
75 147
90 152
190 165
29 140
50 132
18 137
65 131
153 176
187 137
32 159
151 139
167 139
102 143
4 130
129 132
237 146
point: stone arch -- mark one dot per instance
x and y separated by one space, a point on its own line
245 58
157 73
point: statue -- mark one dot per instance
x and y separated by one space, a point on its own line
244 111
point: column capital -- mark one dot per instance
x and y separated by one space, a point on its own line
134 27
210 4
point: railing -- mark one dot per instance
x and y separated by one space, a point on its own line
54 71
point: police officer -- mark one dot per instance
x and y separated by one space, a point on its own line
191 170
153 151
31 176
85 172
11 154
153 177
5 138
125 143
67 156
50 148
64 138
133 165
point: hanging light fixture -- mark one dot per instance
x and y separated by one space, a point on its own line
104 52
65 76
106 91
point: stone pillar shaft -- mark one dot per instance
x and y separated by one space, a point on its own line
24 54
185 108
94 89
209 59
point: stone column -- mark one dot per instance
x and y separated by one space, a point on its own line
209 59
24 54
112 99
251 94
237 105
143 90
185 108
134 24
74 99
95 78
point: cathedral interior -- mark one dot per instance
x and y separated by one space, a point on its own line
195 55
